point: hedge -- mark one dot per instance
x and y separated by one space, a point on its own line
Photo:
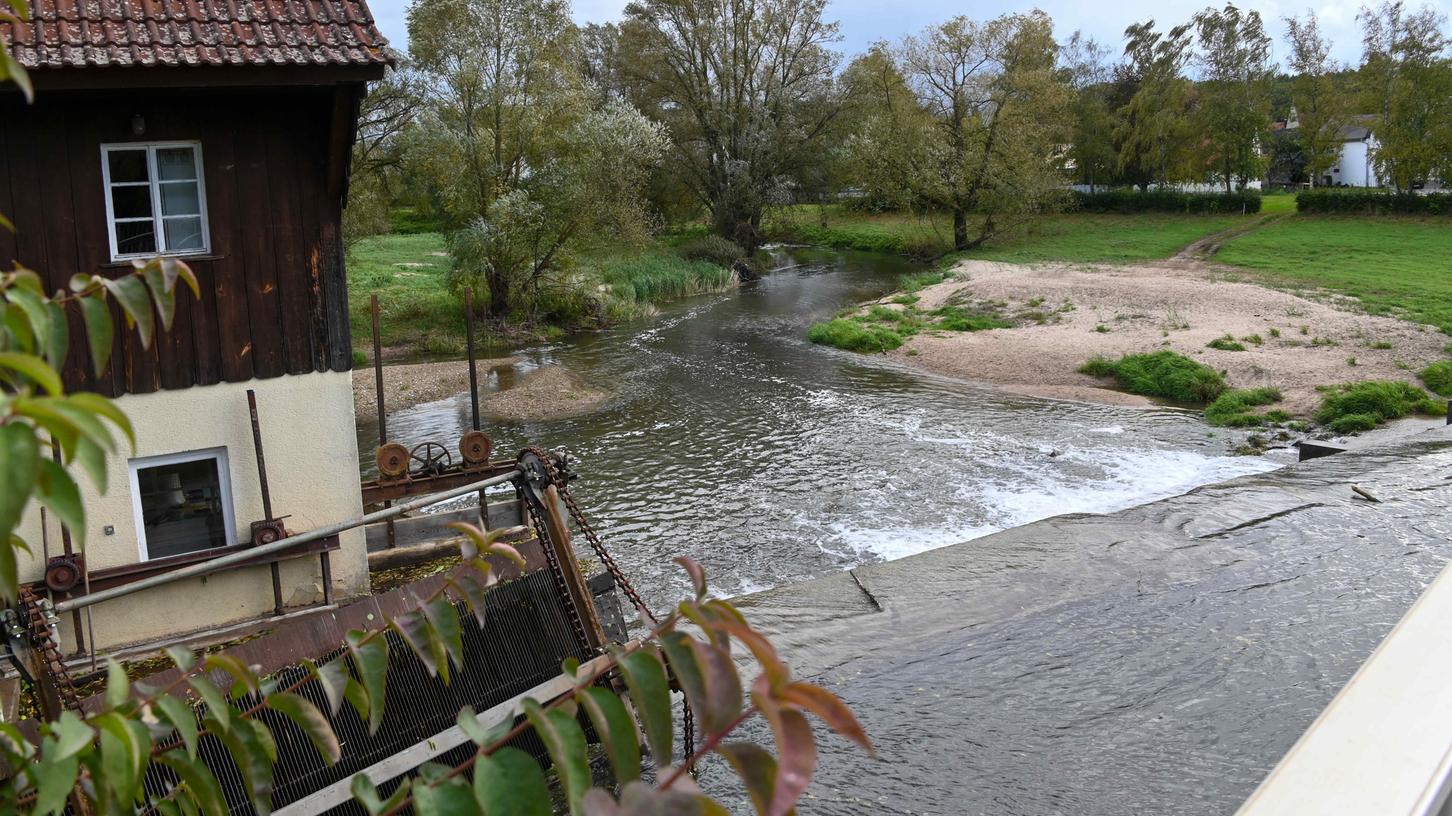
1167 201
1351 201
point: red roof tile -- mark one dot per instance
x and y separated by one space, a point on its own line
118 33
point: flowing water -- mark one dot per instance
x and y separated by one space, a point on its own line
732 439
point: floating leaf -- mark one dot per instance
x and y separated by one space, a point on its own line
565 742
182 718
33 368
312 722
100 331
645 677
370 661
615 729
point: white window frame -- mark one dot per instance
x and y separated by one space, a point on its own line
224 486
155 184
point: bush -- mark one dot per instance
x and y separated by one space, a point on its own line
1232 408
854 336
712 248
1346 408
409 221
657 277
1226 343
957 318
1162 374
1167 201
1353 201
1438 378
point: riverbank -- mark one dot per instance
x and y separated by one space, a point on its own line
549 392
1064 314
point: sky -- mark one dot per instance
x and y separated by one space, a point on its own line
866 21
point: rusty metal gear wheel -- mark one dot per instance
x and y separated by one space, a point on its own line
475 447
392 460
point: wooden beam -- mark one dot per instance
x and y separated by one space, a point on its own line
559 540
417 754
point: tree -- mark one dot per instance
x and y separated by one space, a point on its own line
1406 74
516 145
1156 134
1234 111
1320 107
384 117
745 89
1085 65
891 130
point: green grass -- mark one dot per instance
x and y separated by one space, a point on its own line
1396 266
1163 374
854 335
657 276
1080 237
1438 378
1278 203
1232 409
1226 343
1364 405
868 330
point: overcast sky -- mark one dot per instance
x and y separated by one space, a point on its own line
865 21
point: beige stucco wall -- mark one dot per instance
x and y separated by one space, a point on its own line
311 448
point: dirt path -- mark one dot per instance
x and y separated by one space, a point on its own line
1211 244
1180 305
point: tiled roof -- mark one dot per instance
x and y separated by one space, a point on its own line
121 33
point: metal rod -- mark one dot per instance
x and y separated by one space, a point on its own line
261 461
473 361
327 567
204 567
378 376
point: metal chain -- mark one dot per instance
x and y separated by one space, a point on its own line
42 638
555 568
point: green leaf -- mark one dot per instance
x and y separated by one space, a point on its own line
616 731
448 797
333 677
57 340
708 676
19 459
72 735
102 407
130 292
11 69
367 794
9 571
413 626
311 721
444 618
239 671
201 784
757 769
83 419
181 717
118 685
93 461
33 304
250 757
6 223
473 584
509 781
34 368
53 778
57 490
124 754
370 661
565 742
100 331
217 705
183 658
163 294
645 677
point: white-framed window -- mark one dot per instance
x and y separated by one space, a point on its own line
156 199
183 503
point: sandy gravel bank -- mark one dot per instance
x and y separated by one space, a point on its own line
544 393
1141 308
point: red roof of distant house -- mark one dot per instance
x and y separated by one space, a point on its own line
181 33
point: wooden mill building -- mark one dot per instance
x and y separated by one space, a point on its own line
217 131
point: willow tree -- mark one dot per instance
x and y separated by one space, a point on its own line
746 90
1235 74
1085 66
523 157
1156 135
1407 76
1320 105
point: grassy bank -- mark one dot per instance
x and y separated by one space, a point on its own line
1074 237
420 317
1396 266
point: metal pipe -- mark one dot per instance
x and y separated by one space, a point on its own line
257 447
204 567
473 361
378 376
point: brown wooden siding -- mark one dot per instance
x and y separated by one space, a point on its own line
273 296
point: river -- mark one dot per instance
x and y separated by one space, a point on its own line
733 440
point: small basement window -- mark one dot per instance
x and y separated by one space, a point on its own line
183 503
156 201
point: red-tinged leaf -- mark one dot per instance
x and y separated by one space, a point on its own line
639 799
509 781
829 707
615 729
472 585
100 331
444 618
698 575
312 722
645 677
413 626
131 293
757 769
796 755
507 552
565 742
333 677
33 369
180 270
370 661
708 676
599 802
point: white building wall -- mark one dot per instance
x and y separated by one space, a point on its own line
309 440
1354 168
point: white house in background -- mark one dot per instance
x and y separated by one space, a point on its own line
1353 167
